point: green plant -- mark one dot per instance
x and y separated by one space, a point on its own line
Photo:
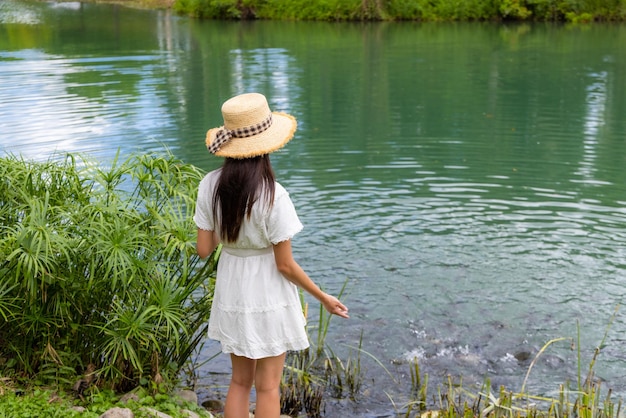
419 386
424 10
39 404
216 9
578 17
300 387
323 324
45 403
99 267
514 9
455 401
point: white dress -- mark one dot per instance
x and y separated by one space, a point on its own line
256 311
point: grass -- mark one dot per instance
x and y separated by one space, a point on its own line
585 401
309 378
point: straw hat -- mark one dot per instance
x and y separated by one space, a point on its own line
250 128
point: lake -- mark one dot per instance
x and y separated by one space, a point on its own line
466 180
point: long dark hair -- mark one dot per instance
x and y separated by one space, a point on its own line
242 182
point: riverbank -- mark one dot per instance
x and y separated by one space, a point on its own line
584 11
410 10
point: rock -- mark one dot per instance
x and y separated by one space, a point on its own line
130 396
189 414
522 356
155 413
553 361
213 405
118 413
187 396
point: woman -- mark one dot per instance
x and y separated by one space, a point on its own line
256 313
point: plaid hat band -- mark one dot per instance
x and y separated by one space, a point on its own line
224 135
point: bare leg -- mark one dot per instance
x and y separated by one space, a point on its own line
269 371
238 398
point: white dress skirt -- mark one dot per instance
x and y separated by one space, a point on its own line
256 311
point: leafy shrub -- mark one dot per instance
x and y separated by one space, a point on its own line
98 267
324 10
424 10
216 9
514 9
36 405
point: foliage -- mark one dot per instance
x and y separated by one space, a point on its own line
442 10
326 10
18 406
213 9
304 384
423 10
278 9
43 403
99 268
310 373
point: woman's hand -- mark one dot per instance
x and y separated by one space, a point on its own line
334 306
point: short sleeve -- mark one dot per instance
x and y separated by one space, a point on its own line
203 216
283 222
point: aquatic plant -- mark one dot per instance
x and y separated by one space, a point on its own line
453 400
310 374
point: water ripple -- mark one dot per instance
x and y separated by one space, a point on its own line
84 105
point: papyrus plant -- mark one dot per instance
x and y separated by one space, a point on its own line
98 266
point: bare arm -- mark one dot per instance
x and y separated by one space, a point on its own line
206 243
295 274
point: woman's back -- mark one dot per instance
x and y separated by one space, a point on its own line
266 225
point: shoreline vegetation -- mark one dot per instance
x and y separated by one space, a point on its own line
104 304
574 11
409 10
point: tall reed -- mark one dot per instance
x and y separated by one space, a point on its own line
584 401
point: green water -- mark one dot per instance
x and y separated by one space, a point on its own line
466 179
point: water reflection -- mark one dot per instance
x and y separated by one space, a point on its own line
57 104
15 12
594 121
269 70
